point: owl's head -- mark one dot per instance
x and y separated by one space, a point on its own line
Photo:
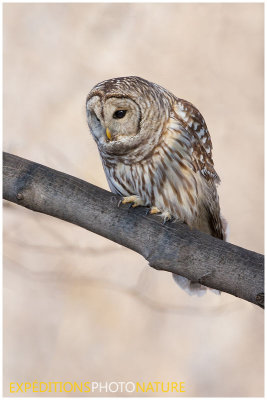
124 113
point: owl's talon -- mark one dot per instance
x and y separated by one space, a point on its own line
119 203
154 210
134 201
166 217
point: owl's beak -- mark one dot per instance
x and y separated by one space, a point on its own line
108 133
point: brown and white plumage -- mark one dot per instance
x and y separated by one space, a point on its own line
156 151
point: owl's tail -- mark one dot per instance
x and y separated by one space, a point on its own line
192 288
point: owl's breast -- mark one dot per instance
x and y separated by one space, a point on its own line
120 178
163 181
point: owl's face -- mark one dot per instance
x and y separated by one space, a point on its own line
126 116
115 120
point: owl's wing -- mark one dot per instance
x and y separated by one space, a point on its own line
196 131
192 133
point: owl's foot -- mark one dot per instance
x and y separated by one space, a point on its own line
134 200
154 210
166 216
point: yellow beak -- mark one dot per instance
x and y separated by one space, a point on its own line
108 133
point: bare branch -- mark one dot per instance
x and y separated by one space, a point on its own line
172 247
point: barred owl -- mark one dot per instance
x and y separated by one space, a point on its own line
156 152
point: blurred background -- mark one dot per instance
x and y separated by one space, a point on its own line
78 307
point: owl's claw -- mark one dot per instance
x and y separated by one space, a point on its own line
154 210
166 217
165 220
134 200
119 203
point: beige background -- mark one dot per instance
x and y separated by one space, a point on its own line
78 307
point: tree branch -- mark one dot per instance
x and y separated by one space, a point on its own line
172 247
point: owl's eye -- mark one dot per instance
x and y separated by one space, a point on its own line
119 114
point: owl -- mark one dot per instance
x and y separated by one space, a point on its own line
157 152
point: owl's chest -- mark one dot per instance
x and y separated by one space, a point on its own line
126 179
160 184
144 179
